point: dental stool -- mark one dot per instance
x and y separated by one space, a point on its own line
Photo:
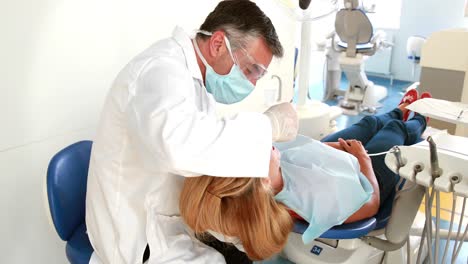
358 41
67 176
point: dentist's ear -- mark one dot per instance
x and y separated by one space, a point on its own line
216 43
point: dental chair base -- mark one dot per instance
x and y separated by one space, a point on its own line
346 251
362 94
330 251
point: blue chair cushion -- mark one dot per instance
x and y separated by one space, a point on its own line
79 248
385 211
351 230
344 231
359 47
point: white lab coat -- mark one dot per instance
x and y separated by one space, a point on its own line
158 125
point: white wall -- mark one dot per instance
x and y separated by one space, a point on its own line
57 61
423 17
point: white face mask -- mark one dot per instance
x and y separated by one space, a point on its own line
226 89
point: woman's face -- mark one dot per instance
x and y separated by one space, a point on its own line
274 174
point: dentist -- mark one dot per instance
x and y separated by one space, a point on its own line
159 125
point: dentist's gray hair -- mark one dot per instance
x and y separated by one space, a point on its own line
242 21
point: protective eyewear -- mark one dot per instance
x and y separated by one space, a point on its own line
249 66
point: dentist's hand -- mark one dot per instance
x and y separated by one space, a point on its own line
284 122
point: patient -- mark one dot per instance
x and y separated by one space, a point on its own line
256 210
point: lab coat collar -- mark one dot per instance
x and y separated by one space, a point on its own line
185 41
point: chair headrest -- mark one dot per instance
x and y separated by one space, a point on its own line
353 26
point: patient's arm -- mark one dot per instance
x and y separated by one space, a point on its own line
335 145
371 208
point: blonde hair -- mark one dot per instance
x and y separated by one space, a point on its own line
237 207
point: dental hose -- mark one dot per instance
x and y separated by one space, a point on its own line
452 218
456 250
382 153
454 181
426 226
429 223
437 228
461 244
459 226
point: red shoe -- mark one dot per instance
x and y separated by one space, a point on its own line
426 95
409 97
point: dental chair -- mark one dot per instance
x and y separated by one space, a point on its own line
357 42
67 176
367 241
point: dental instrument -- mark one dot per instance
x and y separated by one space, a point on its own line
445 154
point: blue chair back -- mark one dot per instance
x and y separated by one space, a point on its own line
67 176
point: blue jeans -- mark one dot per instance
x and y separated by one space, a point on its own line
379 134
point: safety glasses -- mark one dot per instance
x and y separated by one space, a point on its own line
249 66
